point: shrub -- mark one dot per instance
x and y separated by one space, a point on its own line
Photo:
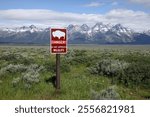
35 67
136 74
76 57
50 66
70 55
64 67
16 58
108 67
16 81
8 56
30 76
106 94
12 69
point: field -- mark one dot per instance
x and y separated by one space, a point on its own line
88 72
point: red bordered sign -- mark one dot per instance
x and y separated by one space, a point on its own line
58 41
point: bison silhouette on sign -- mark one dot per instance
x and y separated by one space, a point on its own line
58 34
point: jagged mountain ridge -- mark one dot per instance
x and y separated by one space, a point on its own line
98 34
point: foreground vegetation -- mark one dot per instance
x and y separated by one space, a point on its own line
87 72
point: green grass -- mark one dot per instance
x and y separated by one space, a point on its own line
76 80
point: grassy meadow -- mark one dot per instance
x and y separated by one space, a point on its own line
88 72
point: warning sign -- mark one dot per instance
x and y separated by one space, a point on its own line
58 41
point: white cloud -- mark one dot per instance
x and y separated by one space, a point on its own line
94 4
144 2
134 19
46 17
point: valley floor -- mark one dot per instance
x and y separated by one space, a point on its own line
88 72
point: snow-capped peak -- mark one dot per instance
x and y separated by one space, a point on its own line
30 29
73 28
85 27
119 29
147 32
100 27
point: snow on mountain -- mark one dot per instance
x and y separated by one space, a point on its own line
31 29
119 29
147 32
100 27
85 27
99 33
73 28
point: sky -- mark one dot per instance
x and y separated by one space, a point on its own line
134 14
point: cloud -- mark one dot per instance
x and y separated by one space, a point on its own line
93 4
47 17
144 2
133 19
114 3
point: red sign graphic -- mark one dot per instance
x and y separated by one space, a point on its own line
58 43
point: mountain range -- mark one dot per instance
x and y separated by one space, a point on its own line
77 34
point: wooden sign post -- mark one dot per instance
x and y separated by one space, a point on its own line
58 45
57 71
